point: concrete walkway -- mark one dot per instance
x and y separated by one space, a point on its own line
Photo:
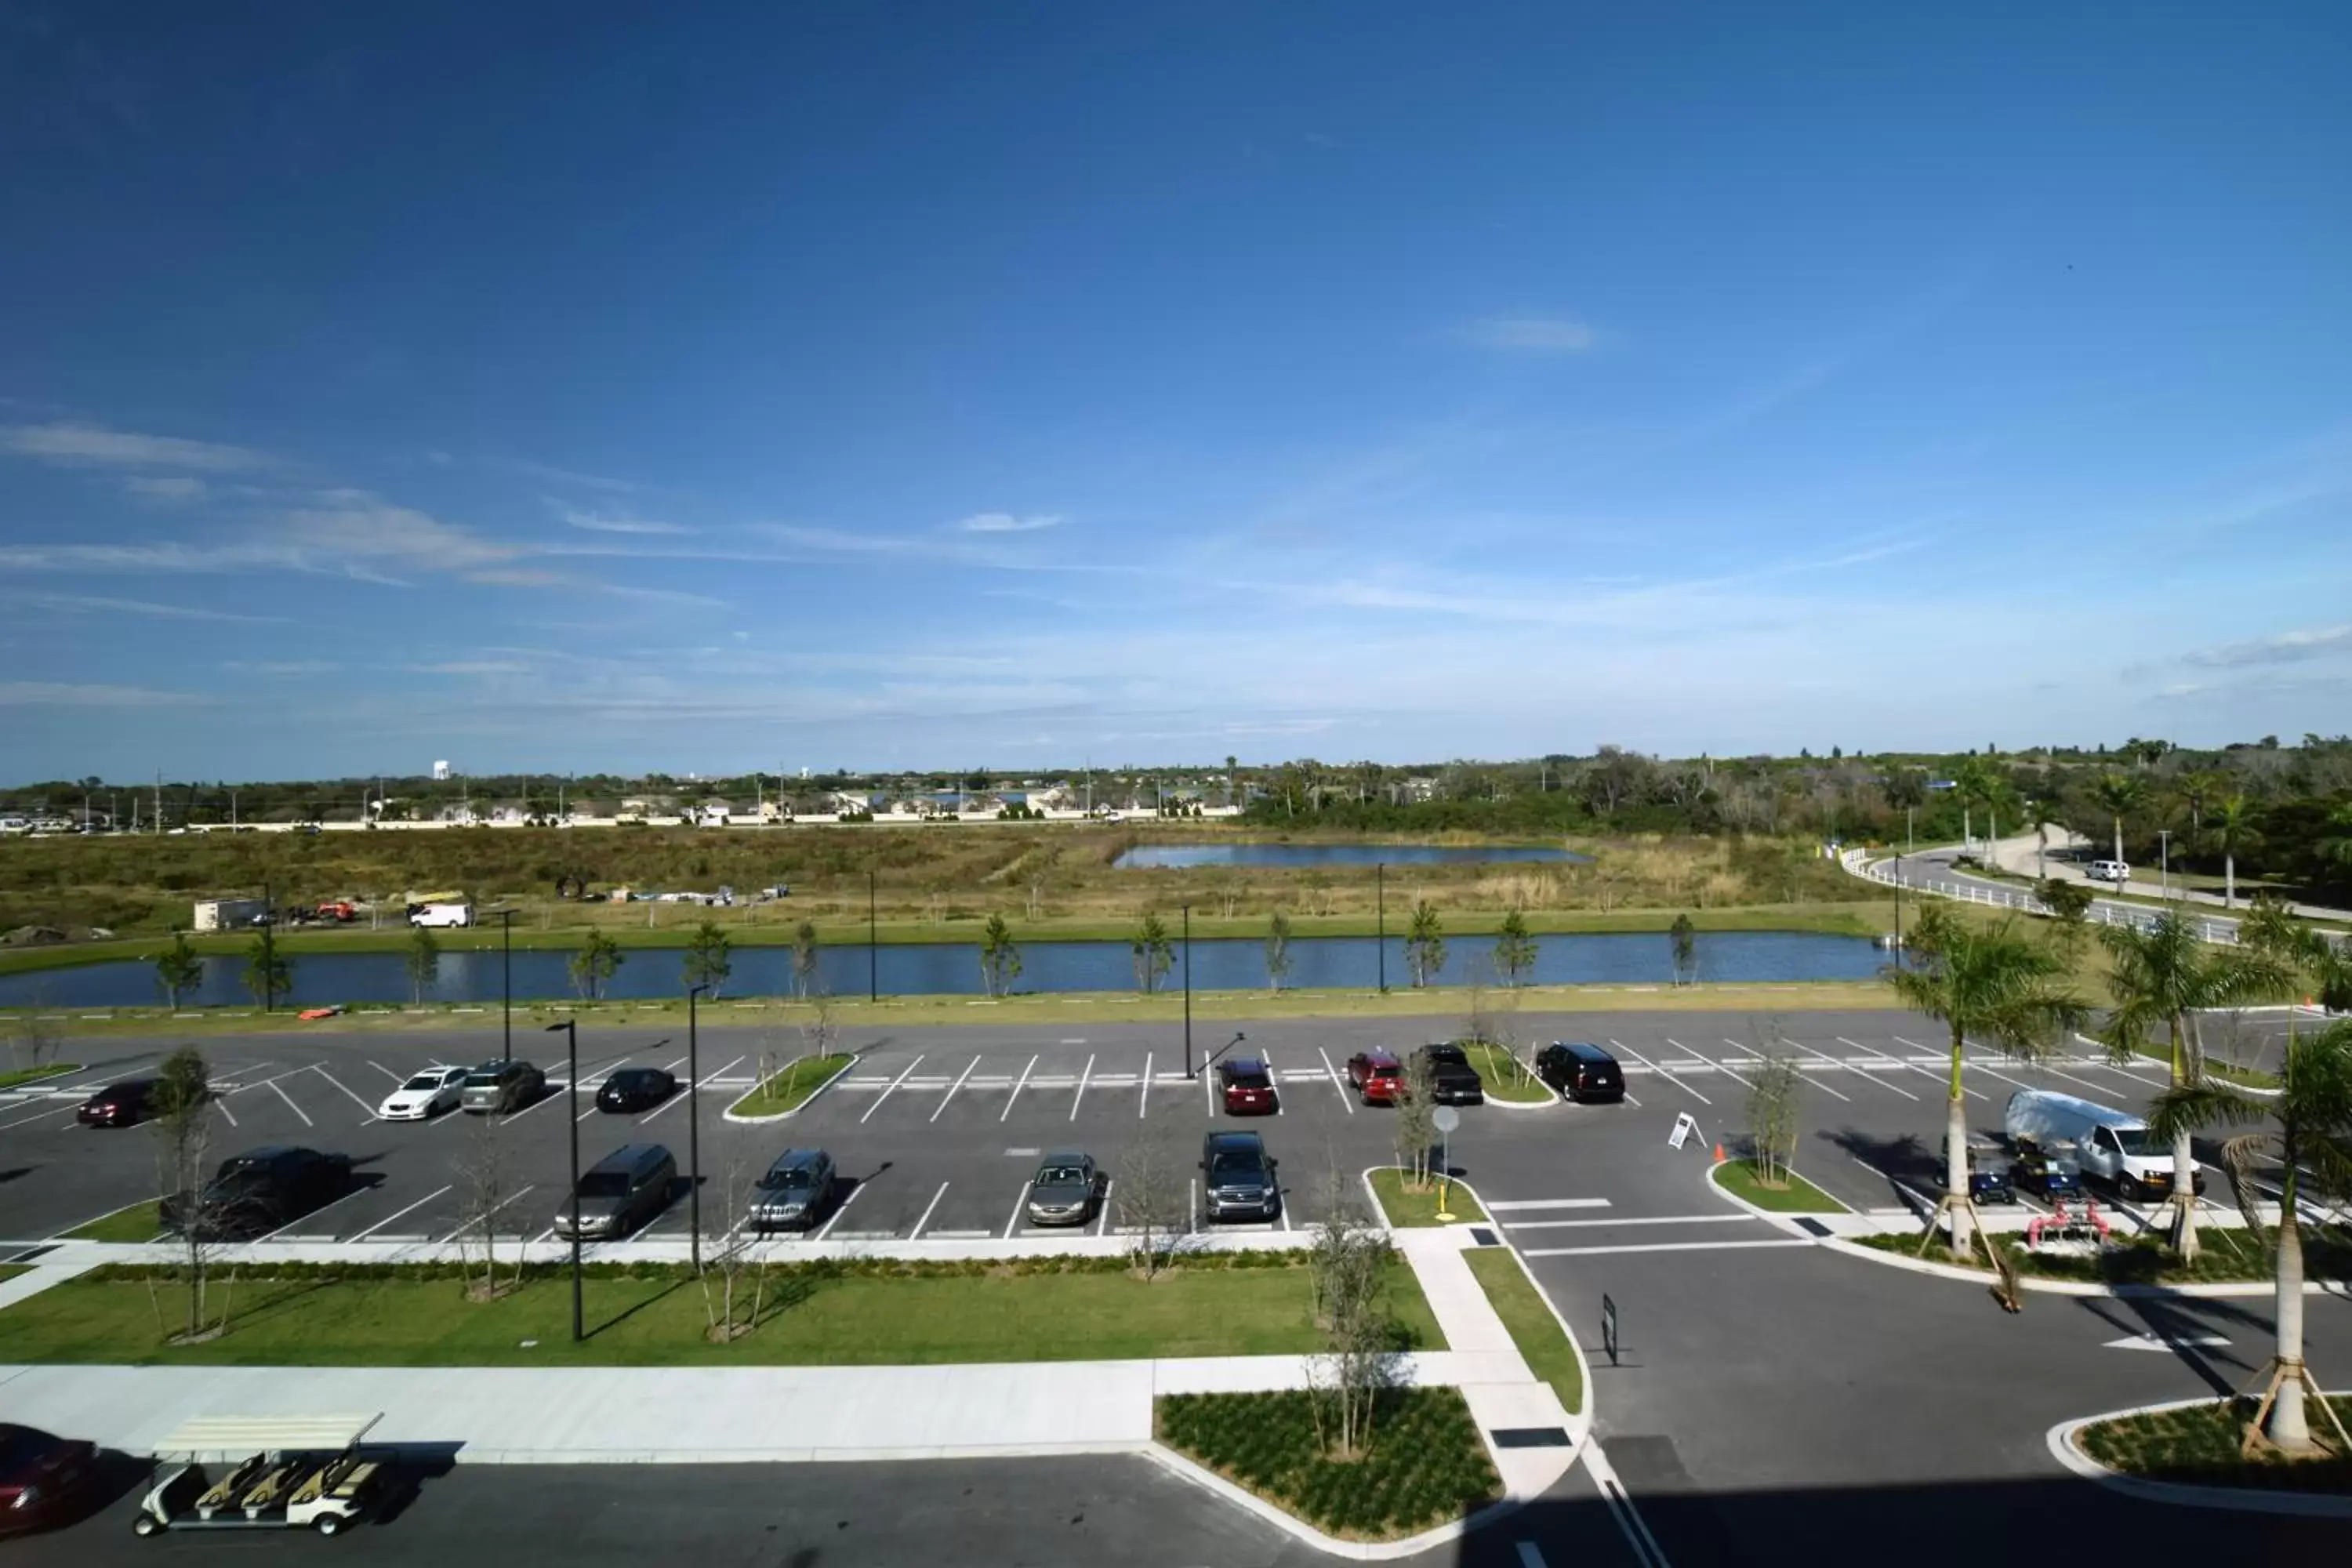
2023 856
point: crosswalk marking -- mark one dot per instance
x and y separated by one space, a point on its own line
1521 1203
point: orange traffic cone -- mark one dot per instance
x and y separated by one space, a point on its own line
1718 1154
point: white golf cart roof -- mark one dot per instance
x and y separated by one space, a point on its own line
239 1436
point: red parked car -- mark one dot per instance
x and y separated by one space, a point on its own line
1378 1075
1249 1088
43 1479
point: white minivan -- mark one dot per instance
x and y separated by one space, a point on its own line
2113 1147
443 915
2113 871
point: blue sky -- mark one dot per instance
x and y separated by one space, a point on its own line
581 387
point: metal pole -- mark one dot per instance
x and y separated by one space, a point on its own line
572 1049
1381 931
873 965
2164 864
268 950
1188 991
506 982
693 1127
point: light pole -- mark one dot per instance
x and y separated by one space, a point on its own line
269 950
693 1128
1381 920
571 1029
506 981
1188 991
873 965
2164 864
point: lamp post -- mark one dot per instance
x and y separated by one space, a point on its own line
505 982
268 950
1188 991
873 965
2164 864
1381 918
693 1128
571 1030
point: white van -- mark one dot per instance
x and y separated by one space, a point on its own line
2113 1147
2113 871
442 915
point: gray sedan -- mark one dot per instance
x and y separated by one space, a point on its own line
1065 1190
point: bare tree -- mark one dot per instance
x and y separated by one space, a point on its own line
488 1181
1772 1097
1151 1198
729 1257
1416 1119
1278 948
35 1039
182 1119
1348 1266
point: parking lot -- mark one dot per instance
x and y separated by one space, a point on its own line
937 1131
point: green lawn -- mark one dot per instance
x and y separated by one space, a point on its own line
1406 1205
1533 1327
1424 1465
2228 1255
1794 1196
10 1270
1505 1077
133 1222
790 1088
35 1075
815 1316
2198 1445
2229 1072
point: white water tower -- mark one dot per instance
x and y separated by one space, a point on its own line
440 772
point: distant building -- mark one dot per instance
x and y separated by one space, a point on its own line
440 772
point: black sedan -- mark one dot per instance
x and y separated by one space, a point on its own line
43 1479
636 1089
257 1192
117 1105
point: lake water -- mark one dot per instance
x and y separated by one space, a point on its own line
953 969
1148 857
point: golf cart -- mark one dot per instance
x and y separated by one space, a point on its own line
300 1472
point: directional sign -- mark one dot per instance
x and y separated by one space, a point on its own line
1684 1128
1446 1118
2158 1342
1608 1328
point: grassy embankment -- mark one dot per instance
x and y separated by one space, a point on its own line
877 1314
790 1087
1533 1329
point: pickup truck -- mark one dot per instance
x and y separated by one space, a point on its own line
1451 1079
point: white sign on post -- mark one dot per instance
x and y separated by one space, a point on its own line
1684 1128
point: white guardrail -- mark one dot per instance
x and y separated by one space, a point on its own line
2103 912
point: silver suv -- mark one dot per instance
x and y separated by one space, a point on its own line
795 1192
503 1087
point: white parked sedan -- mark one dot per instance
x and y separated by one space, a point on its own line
428 1095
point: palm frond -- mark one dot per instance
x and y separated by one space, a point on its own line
2192 1107
2238 1157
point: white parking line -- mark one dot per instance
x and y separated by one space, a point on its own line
379 1225
1514 1226
67 1109
1009 1099
1853 1067
1337 1081
1942 1082
878 1098
1019 1204
835 1218
951 1094
525 1188
1102 1222
1143 1103
1548 1204
1662 1072
1275 1078
291 1106
691 1090
396 1080
1083 1076
928 1207
221 1104
1814 1080
354 1098
1661 1246
314 1214
1719 1067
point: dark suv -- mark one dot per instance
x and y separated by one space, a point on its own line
1238 1178
1579 1070
1451 1079
260 1190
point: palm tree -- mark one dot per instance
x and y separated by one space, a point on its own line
1972 783
2119 795
1993 983
2199 788
2165 977
2000 796
2335 844
2312 1141
2233 828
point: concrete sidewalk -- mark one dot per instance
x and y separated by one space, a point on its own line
2022 857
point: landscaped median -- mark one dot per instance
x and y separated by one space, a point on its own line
1406 1201
133 1223
1788 1194
1535 1327
1505 1078
785 1092
2228 1255
20 1076
871 1312
2192 1452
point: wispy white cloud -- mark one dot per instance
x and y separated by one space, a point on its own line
1007 522
164 486
1531 334
98 604
94 446
66 694
602 522
282 666
470 667
2286 647
550 474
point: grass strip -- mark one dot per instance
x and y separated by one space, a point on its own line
1534 1327
2228 1255
2198 1446
2229 1072
812 1315
1423 1466
1505 1077
10 1270
35 1075
1409 1205
1793 1196
790 1088
132 1223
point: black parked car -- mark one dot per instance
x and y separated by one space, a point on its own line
1451 1079
1579 1070
260 1190
120 1105
634 1089
1237 1178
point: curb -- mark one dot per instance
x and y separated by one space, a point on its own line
728 1114
1779 1219
1579 1421
2211 1292
1298 1529
1380 1212
2242 1500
